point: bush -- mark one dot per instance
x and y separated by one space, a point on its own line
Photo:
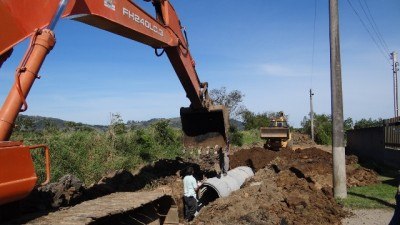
322 128
252 120
90 154
235 136
366 123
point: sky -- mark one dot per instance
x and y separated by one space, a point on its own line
262 48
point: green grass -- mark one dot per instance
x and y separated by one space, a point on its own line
251 137
372 196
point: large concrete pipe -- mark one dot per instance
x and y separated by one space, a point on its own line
215 187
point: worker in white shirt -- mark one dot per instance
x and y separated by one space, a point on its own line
190 186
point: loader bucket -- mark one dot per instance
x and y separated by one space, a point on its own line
205 128
274 132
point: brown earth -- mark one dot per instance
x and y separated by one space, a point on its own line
301 139
290 187
314 163
274 198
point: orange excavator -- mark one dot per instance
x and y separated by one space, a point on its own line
21 19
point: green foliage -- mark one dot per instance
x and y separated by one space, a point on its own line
23 124
366 123
89 154
117 125
163 133
348 124
235 136
252 120
323 128
252 137
372 196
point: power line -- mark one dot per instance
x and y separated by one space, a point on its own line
313 44
369 32
373 21
374 28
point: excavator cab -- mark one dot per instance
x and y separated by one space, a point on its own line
205 127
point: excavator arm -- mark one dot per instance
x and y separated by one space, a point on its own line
22 19
122 17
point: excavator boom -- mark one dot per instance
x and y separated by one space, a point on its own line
26 18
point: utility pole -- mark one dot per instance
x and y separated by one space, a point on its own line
338 151
393 56
311 115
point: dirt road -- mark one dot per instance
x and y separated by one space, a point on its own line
369 217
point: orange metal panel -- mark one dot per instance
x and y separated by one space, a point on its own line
25 76
17 174
121 17
19 19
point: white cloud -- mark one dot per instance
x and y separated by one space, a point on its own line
279 70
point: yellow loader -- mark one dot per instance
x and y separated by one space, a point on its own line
277 135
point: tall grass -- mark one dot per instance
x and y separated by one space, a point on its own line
252 137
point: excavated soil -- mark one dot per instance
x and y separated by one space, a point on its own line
289 187
301 139
314 163
274 198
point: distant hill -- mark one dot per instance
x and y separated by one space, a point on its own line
38 123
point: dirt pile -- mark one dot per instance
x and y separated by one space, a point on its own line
301 139
290 187
67 190
314 163
256 158
273 197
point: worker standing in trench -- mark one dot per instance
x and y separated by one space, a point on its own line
223 158
225 161
190 186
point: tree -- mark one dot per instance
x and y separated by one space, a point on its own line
365 123
24 123
323 127
253 120
235 137
231 100
163 132
117 125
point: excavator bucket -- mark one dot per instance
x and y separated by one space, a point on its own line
205 128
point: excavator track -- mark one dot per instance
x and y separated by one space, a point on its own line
147 207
